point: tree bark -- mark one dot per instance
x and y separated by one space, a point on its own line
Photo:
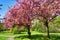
47 29
29 33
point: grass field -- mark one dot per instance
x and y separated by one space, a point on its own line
34 36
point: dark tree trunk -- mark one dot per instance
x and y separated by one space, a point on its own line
47 29
29 33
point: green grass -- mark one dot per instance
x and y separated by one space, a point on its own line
3 38
34 36
40 36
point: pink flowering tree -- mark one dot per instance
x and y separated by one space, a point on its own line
45 10
18 15
27 10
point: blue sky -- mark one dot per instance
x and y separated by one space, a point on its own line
5 4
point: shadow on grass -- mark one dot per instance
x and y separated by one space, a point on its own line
55 37
40 37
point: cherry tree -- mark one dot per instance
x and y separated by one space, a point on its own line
27 10
18 15
45 10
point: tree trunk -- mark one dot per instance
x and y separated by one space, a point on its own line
47 29
29 33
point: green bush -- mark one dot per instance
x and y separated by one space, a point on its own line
1 27
18 30
54 26
38 26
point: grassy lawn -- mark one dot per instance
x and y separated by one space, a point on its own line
35 36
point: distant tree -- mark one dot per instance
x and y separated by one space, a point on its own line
0 6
